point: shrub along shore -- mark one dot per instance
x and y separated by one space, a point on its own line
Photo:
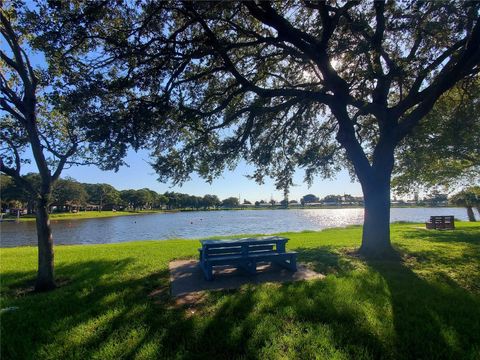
113 302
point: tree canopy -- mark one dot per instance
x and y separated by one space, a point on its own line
469 198
68 192
315 85
310 198
444 150
248 67
39 123
230 202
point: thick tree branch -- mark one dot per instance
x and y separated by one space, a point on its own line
14 174
248 85
451 73
413 97
6 107
314 49
63 161
12 40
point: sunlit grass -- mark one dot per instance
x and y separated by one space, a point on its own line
426 306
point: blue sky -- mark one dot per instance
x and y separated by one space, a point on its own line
140 175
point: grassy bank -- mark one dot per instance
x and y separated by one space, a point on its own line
114 303
88 215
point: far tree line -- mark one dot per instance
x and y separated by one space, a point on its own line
69 195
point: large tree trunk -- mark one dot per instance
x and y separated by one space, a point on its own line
376 226
471 214
375 176
30 207
45 276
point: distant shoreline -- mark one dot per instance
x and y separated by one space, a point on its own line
107 213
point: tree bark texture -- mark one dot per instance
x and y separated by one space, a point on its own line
376 225
375 178
471 214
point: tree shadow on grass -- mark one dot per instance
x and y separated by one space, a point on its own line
362 310
443 258
326 260
380 310
299 320
90 317
13 283
465 235
452 256
432 319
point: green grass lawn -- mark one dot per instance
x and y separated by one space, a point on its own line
88 215
114 303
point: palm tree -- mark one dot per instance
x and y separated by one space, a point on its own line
469 198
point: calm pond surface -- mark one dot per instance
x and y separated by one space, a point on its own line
203 224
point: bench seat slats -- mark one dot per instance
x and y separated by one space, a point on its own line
232 250
252 248
239 256
239 242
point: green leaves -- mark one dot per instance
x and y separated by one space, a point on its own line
445 149
468 197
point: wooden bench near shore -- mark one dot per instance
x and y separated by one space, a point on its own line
441 222
245 253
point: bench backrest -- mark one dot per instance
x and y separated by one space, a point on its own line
241 248
442 222
436 219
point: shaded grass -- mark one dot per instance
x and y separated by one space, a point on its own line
426 306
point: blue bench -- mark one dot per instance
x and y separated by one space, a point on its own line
245 253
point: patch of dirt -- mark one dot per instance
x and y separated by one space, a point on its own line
23 291
160 295
192 303
61 282
351 252
29 287
411 259
193 298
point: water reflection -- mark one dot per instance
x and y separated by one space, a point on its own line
203 224
339 217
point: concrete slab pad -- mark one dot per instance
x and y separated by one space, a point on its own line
186 277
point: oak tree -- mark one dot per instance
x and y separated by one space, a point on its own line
38 123
316 85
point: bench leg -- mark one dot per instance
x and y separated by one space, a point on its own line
290 264
250 267
293 263
207 271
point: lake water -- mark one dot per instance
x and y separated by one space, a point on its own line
203 224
